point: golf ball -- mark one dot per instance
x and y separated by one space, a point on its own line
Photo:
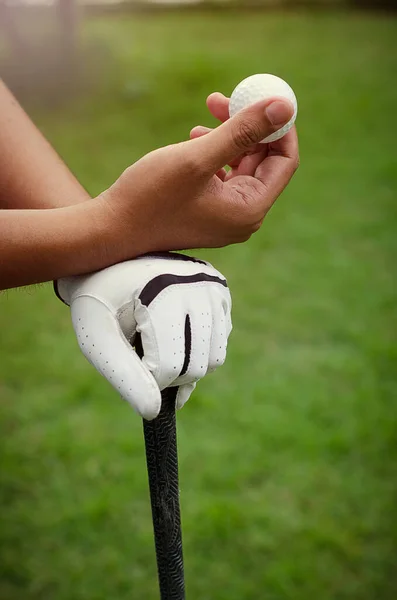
259 87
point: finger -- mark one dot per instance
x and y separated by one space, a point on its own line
221 174
105 347
218 105
184 393
234 137
277 168
248 164
201 331
198 131
221 328
163 340
287 146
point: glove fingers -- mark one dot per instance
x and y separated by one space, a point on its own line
201 328
163 333
184 393
221 328
107 349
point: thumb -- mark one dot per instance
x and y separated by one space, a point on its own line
184 393
247 128
107 349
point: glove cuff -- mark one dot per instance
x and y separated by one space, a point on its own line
174 256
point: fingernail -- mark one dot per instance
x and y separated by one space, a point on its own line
279 112
199 130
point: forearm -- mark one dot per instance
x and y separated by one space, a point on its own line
32 175
41 245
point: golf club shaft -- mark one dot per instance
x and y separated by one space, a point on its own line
162 466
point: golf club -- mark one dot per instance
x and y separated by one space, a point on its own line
162 467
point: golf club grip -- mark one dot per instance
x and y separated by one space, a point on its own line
162 466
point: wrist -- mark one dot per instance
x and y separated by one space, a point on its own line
75 241
94 235
122 237
43 245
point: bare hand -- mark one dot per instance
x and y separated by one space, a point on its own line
180 196
174 198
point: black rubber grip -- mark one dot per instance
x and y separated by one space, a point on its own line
162 466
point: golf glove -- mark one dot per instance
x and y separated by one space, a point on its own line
175 308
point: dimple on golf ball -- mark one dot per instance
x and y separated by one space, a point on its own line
259 87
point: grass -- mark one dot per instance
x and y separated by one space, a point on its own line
288 453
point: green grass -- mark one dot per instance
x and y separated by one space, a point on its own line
288 453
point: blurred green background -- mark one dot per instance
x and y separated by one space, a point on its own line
288 453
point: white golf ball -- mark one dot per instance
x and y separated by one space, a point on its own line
259 87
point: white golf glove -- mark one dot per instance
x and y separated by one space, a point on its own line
178 305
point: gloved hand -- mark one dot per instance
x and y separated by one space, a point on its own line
176 306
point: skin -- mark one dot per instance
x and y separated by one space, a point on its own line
174 198
31 173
